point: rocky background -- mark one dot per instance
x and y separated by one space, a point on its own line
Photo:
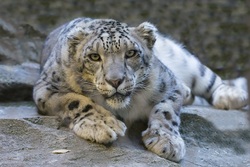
218 32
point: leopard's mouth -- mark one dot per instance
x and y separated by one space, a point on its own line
118 95
118 100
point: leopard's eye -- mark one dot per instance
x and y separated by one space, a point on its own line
131 53
94 57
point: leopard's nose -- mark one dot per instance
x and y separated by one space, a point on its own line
115 82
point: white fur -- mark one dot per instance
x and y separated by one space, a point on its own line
186 66
182 63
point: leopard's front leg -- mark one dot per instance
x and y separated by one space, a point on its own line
162 135
92 122
87 119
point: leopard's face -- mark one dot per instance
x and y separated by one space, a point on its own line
118 61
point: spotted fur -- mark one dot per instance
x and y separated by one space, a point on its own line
97 70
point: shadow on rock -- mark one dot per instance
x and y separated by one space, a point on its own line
198 131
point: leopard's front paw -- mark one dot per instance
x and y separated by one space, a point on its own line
164 144
98 127
229 97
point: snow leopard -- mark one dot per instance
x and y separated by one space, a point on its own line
101 75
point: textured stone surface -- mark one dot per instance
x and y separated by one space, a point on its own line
213 138
16 81
30 142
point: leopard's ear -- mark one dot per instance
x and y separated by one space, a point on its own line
147 32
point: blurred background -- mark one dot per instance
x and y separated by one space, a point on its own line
216 31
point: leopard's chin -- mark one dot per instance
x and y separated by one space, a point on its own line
118 101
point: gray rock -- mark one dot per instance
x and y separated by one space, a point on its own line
213 138
16 82
30 142
19 43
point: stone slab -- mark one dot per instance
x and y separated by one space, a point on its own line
213 138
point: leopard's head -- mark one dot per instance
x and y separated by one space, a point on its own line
116 59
